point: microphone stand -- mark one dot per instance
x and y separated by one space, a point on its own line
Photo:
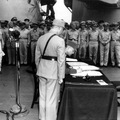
18 109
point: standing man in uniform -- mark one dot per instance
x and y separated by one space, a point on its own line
93 43
11 42
23 43
33 36
50 69
115 45
83 40
104 37
73 35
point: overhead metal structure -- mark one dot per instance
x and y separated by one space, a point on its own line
47 2
96 3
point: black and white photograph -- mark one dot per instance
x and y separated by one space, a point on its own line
59 59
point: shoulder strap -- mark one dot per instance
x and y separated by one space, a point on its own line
47 44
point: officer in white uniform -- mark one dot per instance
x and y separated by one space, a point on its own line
51 70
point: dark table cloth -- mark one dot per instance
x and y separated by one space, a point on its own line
88 100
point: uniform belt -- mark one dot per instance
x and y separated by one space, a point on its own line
52 58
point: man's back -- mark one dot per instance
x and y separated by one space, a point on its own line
56 48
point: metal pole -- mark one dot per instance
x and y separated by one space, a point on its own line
18 110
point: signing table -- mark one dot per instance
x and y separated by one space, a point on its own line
87 99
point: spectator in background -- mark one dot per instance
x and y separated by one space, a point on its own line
104 37
83 40
100 25
93 37
23 40
73 35
2 29
1 49
14 23
115 45
77 25
33 36
88 25
10 43
27 23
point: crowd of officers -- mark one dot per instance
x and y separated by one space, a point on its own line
99 41
28 36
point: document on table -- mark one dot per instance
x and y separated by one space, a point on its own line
71 59
89 67
86 68
101 82
89 73
77 63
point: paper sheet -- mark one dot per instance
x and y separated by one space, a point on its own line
77 63
71 59
101 82
89 73
85 68
89 67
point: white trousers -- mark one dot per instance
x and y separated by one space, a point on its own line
115 52
82 50
49 90
0 62
93 50
104 54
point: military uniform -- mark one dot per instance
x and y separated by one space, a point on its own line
7 45
50 69
23 41
115 46
83 40
73 35
93 44
10 44
1 51
32 38
104 37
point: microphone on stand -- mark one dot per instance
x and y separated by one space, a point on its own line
18 109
